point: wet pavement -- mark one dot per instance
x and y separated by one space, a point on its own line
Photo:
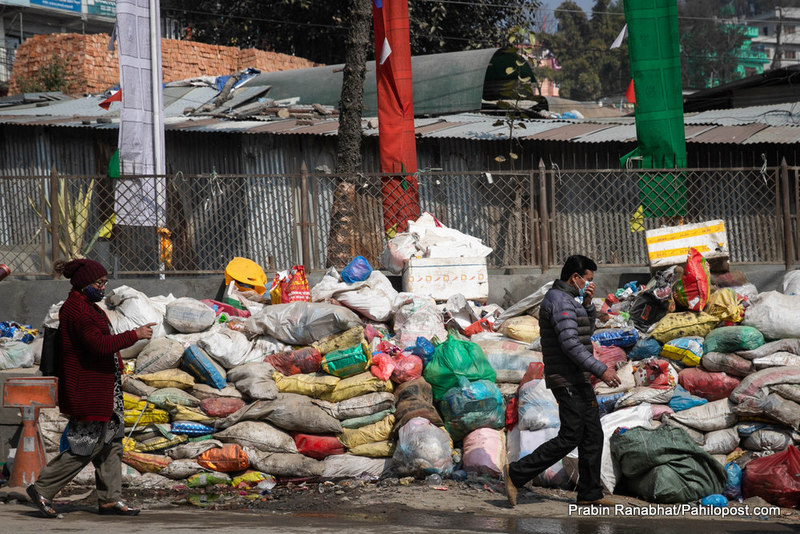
20 518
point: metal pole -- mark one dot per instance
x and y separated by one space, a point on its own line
544 216
54 222
787 217
158 157
305 216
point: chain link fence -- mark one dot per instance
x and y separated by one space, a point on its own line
195 224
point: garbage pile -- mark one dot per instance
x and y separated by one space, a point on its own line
350 378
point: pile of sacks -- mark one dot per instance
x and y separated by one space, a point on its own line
360 379
708 402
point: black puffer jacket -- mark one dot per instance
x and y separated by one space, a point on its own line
566 330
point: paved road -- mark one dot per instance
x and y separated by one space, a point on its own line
23 519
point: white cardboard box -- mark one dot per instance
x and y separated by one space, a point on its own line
440 278
670 245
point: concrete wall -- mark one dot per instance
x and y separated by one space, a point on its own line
27 301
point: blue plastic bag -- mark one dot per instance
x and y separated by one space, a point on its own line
472 405
714 500
424 349
606 403
683 400
645 348
733 487
357 270
617 337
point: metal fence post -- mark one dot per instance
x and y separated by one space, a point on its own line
54 219
788 240
305 223
544 217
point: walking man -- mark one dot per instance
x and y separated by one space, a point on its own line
566 320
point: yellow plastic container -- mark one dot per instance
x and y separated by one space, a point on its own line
246 274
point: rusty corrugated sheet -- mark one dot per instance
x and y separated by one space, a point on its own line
568 132
728 134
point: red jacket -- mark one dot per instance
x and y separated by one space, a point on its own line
88 359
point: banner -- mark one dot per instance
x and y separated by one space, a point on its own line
63 5
398 150
654 53
136 201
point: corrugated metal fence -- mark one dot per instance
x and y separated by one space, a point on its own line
195 224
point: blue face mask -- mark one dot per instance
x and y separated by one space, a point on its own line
94 294
582 290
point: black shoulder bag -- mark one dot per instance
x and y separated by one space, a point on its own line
50 364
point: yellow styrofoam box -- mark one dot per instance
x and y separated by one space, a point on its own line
670 245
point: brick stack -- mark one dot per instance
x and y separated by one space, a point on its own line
91 67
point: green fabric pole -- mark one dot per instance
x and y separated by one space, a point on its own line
654 54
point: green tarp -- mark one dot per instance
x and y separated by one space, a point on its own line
664 465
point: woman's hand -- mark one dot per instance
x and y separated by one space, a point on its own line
145 332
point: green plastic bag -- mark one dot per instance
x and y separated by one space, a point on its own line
453 358
347 362
732 339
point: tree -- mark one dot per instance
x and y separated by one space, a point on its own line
317 30
708 44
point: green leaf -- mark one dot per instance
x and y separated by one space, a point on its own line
512 38
525 79
513 156
498 123
509 70
520 62
500 159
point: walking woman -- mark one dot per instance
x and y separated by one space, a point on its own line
89 393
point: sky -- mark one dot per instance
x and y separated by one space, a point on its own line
586 5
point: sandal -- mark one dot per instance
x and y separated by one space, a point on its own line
117 508
44 505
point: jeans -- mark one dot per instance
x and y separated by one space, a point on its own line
580 427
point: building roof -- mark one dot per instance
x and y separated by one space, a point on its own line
187 109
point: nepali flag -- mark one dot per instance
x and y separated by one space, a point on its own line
398 151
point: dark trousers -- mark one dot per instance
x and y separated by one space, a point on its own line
580 427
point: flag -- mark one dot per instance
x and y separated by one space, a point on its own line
397 144
115 97
618 41
630 94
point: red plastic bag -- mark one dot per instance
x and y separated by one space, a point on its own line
230 458
481 325
221 307
512 413
221 406
775 478
694 288
406 367
316 446
295 362
710 386
535 371
382 366
290 286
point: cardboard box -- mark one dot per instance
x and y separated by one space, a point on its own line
441 278
670 245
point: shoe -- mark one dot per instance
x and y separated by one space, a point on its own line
44 506
117 508
597 502
511 489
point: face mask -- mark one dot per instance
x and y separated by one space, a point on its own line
94 294
582 290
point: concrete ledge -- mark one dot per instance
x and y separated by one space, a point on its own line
27 301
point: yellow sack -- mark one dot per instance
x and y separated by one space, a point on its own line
132 402
180 412
684 324
150 415
524 328
168 378
316 385
158 443
128 444
343 340
357 385
379 449
380 431
725 305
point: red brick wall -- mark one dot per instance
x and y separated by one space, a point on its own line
91 68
